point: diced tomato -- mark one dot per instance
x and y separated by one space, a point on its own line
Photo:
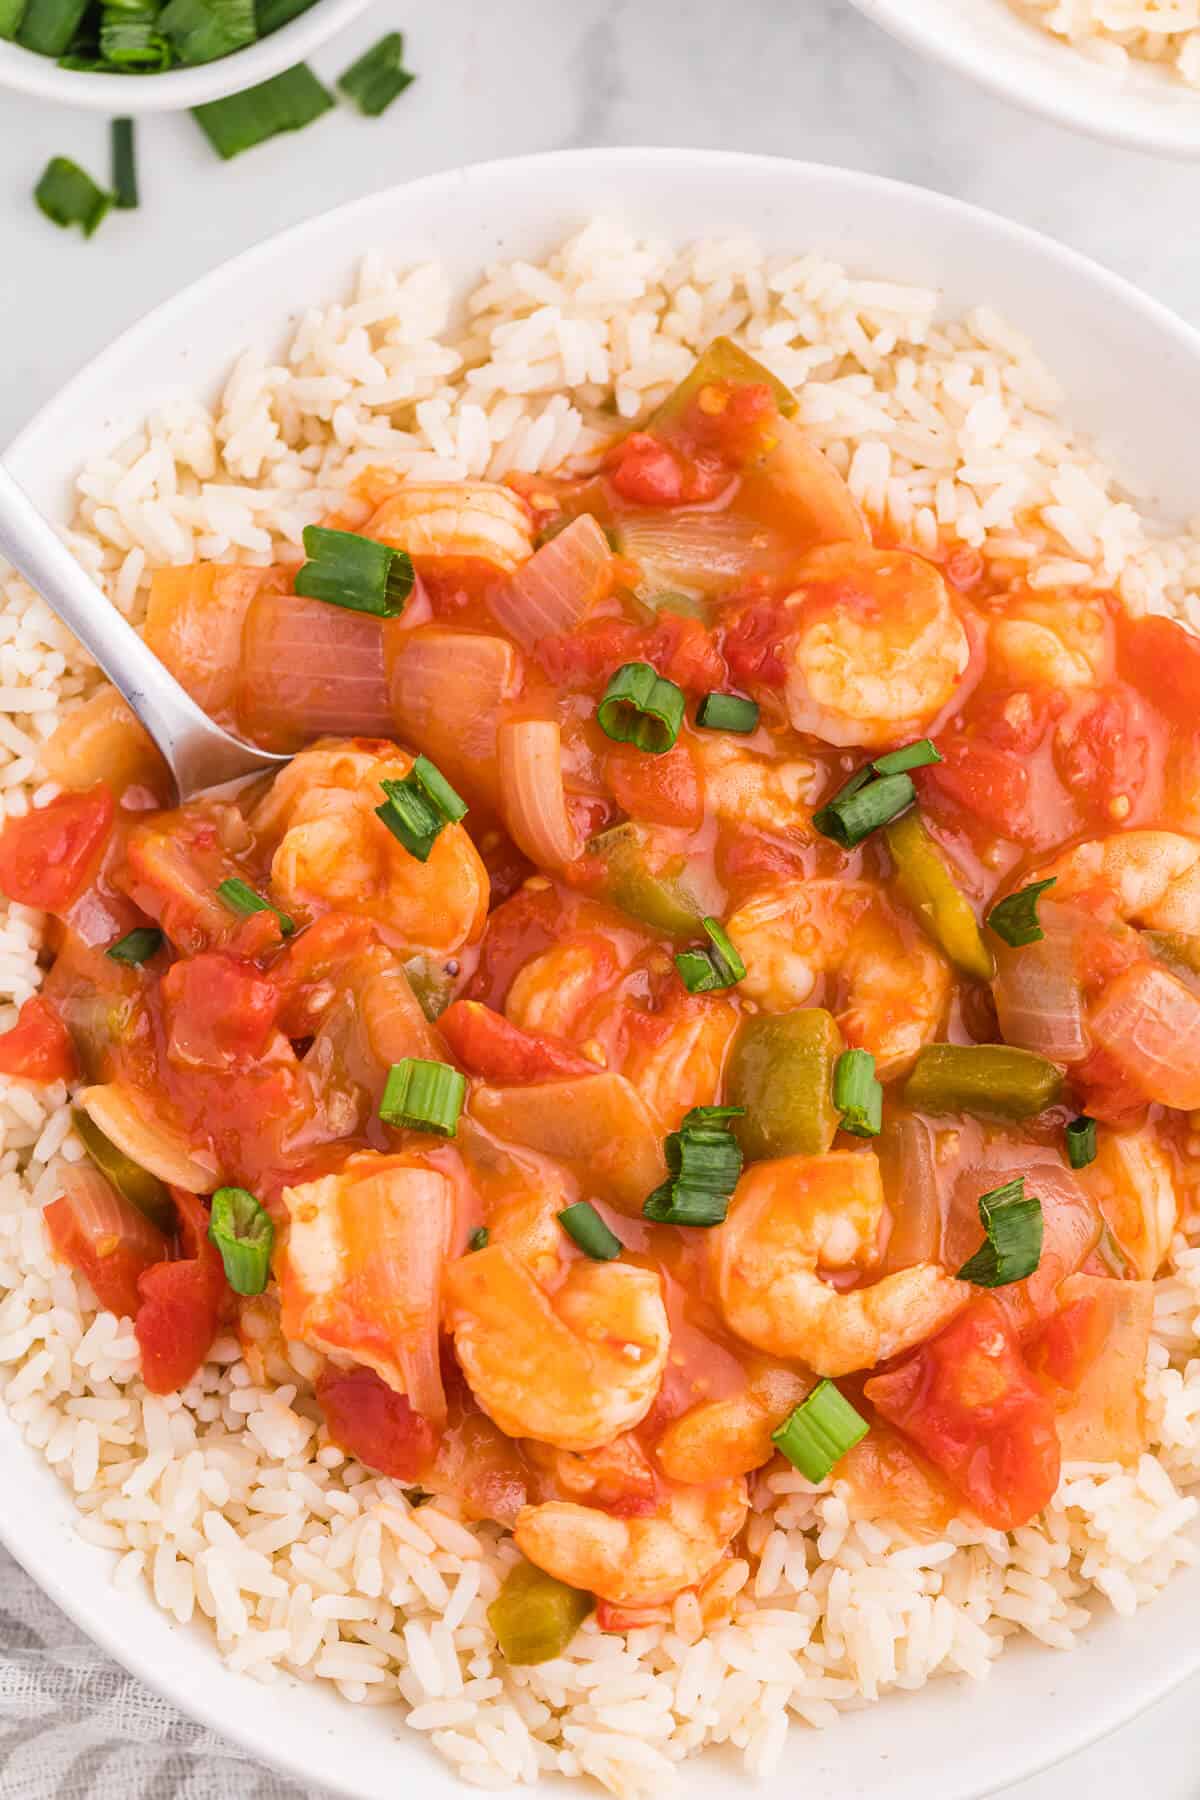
220 1011
372 1422
986 783
1072 1340
747 857
489 1045
732 418
309 962
181 1303
968 1401
48 856
173 866
681 649
658 790
753 642
518 930
39 1047
102 1235
1109 752
1107 1090
648 472
1162 660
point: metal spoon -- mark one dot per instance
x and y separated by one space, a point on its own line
198 753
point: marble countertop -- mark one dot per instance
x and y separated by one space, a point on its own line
809 79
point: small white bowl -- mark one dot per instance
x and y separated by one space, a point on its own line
28 73
1143 107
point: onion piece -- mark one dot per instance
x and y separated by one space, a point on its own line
310 670
405 1217
1039 1001
148 1142
532 793
1104 1419
599 1122
1071 1226
704 553
194 625
824 510
103 1235
447 689
1149 1024
559 585
909 1169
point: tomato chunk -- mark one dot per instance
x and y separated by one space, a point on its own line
371 1421
681 649
659 790
180 1303
1162 660
39 1047
48 856
967 1399
489 1045
220 1011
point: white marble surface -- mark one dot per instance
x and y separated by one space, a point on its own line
805 78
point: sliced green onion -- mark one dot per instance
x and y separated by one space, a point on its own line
240 898
355 572
423 1096
583 1223
705 971
863 805
287 102
273 14
857 1093
11 14
1013 1247
642 708
243 1233
49 26
727 712
203 30
478 1238
137 946
1081 1141
909 756
817 1434
124 165
130 37
1015 919
379 77
418 808
705 1161
68 195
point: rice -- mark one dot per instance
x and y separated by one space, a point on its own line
1122 34
228 1500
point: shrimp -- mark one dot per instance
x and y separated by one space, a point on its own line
1152 878
331 852
573 1366
756 791
1061 641
639 1561
874 648
794 1216
890 986
724 1438
617 1476
1132 1185
461 521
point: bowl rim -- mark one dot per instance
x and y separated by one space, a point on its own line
94 1611
24 71
1073 105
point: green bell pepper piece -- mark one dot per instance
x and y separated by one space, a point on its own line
990 1081
781 1071
534 1616
659 894
138 1185
924 879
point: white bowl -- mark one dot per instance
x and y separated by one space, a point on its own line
1132 374
1143 108
29 73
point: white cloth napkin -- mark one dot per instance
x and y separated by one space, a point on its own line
75 1726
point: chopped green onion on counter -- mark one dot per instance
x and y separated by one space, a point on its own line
817 1434
200 31
124 165
1015 918
379 77
417 809
705 1161
857 1093
707 971
344 569
243 1233
137 946
68 195
1012 1249
423 1096
641 707
286 102
239 897
584 1225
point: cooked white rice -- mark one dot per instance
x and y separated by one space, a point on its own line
1124 33
227 1499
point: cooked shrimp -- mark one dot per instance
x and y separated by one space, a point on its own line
635 1562
553 991
1152 878
724 1438
331 852
618 1475
1132 1184
467 521
1062 641
789 1219
874 648
573 1367
756 791
890 987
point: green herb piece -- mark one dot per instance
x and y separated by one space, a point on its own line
344 569
130 38
705 1160
706 971
583 1223
1015 919
69 196
863 805
1013 1247
642 708
240 898
423 1096
124 165
137 946
910 756
478 1238
817 1434
243 1233
272 15
49 26
11 14
379 77
420 807
727 712
1081 1141
857 1093
203 30
287 102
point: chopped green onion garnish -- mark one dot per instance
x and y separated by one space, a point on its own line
272 14
356 572
423 1096
704 1160
727 712
1015 919
910 756
863 805
642 708
478 1238
1081 1141
203 30
1013 1248
705 971
379 77
287 102
124 165
418 808
857 1093
68 195
242 899
243 1233
11 14
130 38
49 26
137 946
818 1433
583 1223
